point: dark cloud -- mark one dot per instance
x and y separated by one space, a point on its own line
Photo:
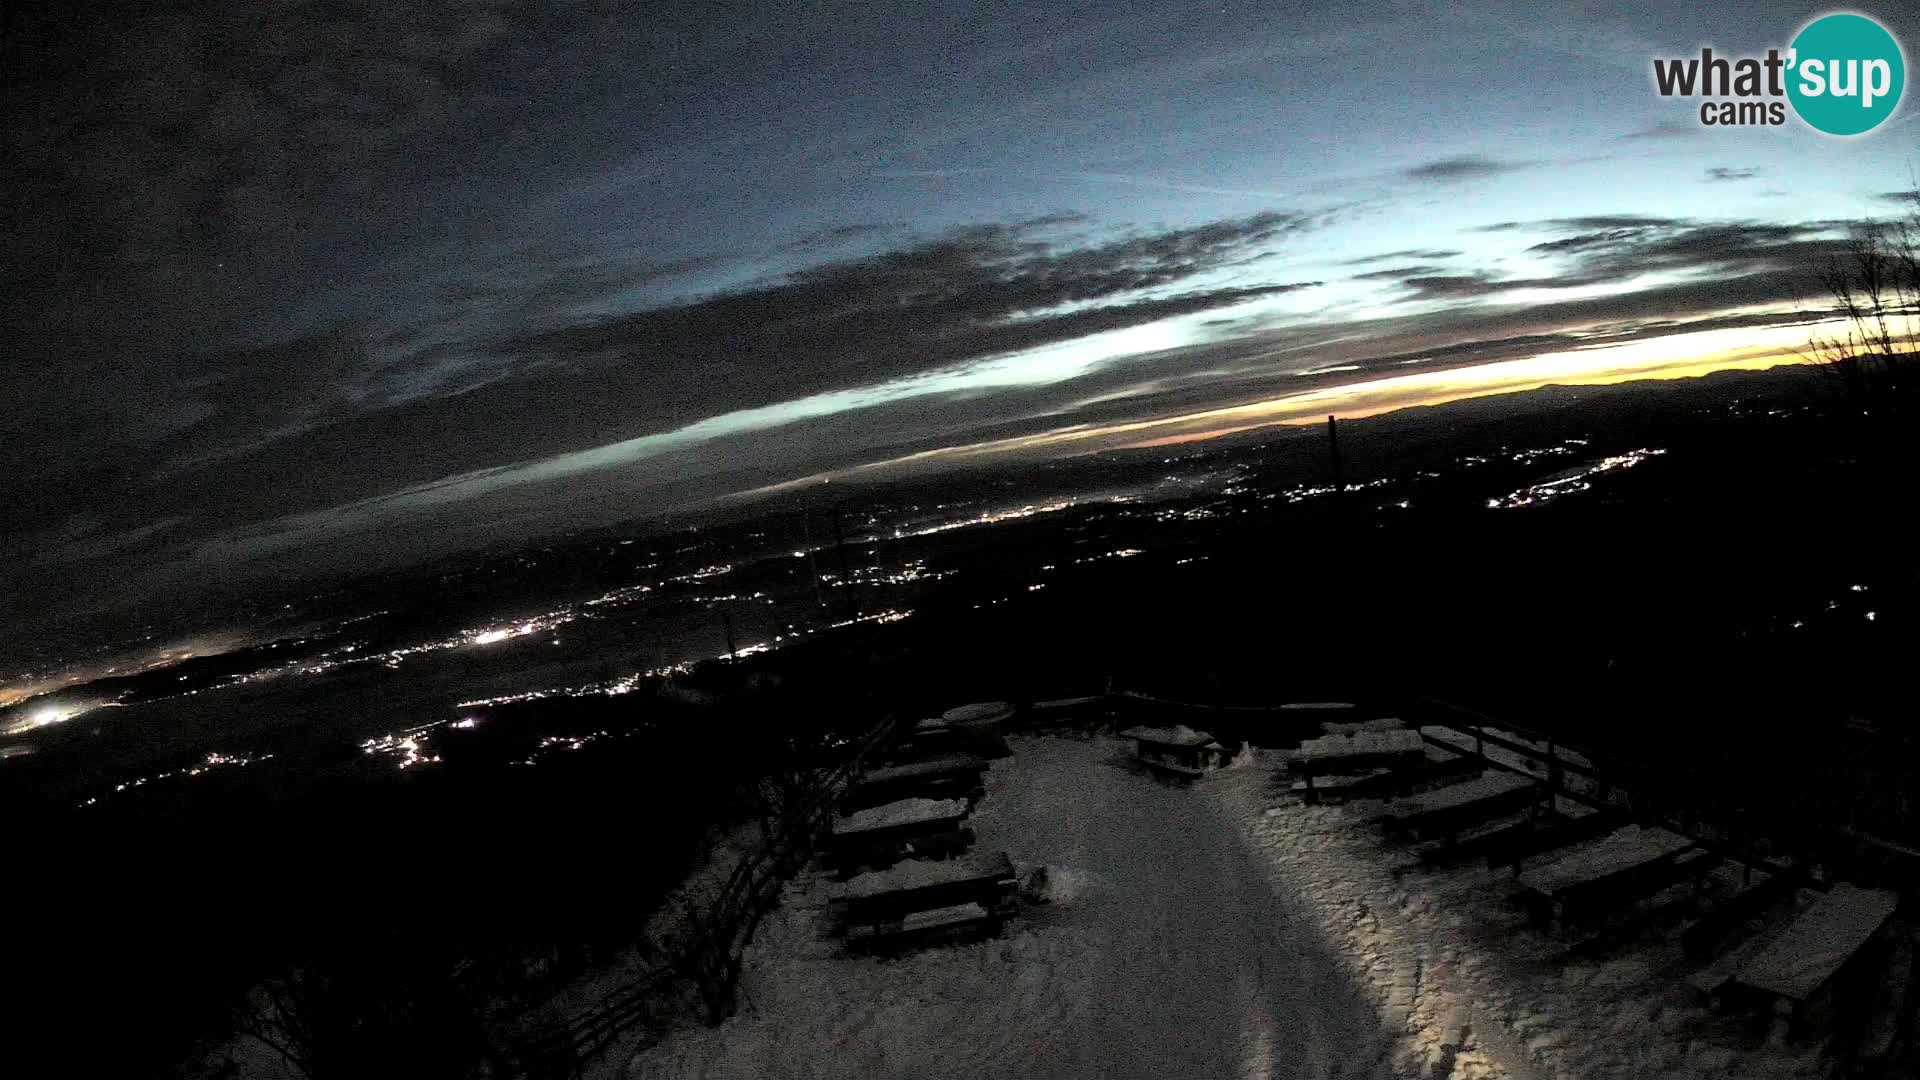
1408 253
328 420
1782 260
974 292
1466 286
1465 167
1607 221
267 261
1623 247
1395 273
1720 173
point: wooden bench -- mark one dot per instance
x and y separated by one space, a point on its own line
1796 968
918 901
1568 889
1336 788
1364 750
1598 900
880 836
1647 916
1449 810
1179 752
1558 832
953 776
1411 776
1474 842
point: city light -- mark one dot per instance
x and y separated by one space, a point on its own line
1578 479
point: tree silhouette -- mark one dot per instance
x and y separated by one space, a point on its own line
1875 286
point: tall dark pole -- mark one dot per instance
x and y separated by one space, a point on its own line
813 567
726 623
1333 452
1333 460
846 576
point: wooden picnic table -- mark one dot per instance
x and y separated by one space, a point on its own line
1601 868
880 836
919 900
1346 753
1817 944
904 814
1556 832
948 775
891 895
1449 809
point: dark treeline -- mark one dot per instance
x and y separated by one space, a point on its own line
409 914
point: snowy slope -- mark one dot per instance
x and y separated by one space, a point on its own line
1210 932
1164 954
1439 951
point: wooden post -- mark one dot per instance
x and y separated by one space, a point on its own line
726 623
1333 462
1333 451
1553 771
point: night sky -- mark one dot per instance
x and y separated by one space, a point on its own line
302 286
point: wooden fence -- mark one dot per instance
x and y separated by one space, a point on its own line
560 1051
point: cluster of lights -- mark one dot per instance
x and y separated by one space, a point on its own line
621 596
1575 480
213 760
1832 607
1197 513
889 615
984 518
392 658
1561 449
1300 493
625 684
408 746
551 744
722 598
537 625
905 574
48 715
1121 553
570 742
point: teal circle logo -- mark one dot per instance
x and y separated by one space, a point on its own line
1846 73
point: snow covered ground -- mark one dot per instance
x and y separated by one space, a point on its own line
1212 930
1442 954
1164 954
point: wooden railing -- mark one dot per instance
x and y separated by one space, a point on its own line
561 1051
1609 775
